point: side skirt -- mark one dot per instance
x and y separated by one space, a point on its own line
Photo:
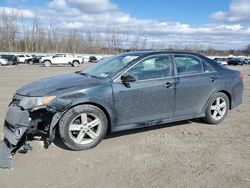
154 122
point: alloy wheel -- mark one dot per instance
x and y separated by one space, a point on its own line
218 108
85 128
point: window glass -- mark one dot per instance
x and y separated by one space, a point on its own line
109 66
188 65
154 67
207 68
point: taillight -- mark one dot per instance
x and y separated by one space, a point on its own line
241 76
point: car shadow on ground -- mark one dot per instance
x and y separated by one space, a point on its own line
57 141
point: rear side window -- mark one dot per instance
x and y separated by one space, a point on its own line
186 65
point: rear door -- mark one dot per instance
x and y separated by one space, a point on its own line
64 59
59 59
195 82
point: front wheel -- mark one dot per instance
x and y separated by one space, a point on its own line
83 127
217 108
47 64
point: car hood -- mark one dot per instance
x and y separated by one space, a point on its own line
53 84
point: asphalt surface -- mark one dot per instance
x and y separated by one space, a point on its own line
183 154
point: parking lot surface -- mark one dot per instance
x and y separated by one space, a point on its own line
183 154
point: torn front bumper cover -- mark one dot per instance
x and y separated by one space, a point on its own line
22 125
16 124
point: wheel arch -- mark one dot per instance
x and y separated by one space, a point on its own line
227 93
76 60
228 96
47 60
105 110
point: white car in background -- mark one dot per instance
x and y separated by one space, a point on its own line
3 62
23 58
61 58
222 61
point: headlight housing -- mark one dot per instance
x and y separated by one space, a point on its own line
35 102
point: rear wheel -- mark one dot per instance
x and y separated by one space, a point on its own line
217 108
83 127
75 63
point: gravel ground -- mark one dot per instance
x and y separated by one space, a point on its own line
183 154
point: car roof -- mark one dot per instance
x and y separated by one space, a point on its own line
147 53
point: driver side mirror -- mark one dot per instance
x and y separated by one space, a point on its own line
127 78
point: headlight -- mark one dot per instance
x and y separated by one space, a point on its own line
34 102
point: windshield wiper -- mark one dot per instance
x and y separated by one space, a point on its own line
82 73
86 74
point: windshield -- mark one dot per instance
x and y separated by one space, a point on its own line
109 66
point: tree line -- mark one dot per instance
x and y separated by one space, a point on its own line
16 35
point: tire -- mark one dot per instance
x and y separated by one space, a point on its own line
75 63
217 108
47 63
79 136
31 62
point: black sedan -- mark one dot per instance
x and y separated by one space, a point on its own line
34 60
93 59
128 91
235 61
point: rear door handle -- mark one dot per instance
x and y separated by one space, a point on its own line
169 85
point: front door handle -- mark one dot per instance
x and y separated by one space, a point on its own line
169 85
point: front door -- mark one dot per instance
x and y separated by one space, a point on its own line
150 97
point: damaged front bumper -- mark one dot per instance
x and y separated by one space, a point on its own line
22 125
16 124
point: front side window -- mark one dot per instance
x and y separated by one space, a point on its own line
207 68
151 68
186 65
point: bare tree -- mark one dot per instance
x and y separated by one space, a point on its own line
8 30
53 27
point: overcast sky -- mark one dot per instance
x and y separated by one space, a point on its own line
221 24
